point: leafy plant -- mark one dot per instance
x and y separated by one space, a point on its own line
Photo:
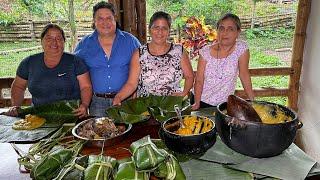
196 35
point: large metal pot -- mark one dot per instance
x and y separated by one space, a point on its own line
187 144
256 139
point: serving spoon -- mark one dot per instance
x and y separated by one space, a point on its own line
178 111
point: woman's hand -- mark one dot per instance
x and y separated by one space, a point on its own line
195 106
13 111
116 101
179 94
82 111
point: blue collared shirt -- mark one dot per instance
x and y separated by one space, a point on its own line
108 74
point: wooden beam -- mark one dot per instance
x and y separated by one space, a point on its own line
265 92
274 71
304 8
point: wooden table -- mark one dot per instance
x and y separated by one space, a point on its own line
9 167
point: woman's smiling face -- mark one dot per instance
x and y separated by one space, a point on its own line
160 31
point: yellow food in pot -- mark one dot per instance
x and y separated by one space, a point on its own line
30 122
271 114
194 125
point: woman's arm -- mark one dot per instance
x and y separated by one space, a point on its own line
132 82
18 88
187 74
86 94
198 86
245 75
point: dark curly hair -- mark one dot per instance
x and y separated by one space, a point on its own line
52 26
160 15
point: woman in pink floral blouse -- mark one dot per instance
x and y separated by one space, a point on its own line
219 65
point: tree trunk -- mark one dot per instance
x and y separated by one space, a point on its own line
72 23
253 14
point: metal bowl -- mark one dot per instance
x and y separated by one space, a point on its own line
257 139
102 141
187 144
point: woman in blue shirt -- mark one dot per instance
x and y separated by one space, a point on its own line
107 52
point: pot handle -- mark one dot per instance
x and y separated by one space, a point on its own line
297 126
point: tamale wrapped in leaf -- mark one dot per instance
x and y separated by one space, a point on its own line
127 170
100 167
170 169
146 155
51 164
74 170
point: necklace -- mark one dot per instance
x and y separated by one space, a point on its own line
222 63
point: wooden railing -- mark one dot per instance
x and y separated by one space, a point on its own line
5 99
5 83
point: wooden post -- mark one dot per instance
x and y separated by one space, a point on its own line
32 30
119 10
141 21
304 8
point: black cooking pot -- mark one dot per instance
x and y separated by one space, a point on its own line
256 139
195 144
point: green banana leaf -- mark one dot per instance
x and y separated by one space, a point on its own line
145 154
55 113
100 167
127 170
170 169
50 165
74 170
159 107
7 134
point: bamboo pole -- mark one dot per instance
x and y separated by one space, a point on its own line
304 8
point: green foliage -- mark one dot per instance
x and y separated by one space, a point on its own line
269 33
210 9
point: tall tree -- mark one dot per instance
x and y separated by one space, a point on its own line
73 29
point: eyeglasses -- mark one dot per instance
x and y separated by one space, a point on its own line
160 28
52 39
107 19
227 29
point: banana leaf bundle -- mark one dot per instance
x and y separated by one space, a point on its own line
170 169
140 109
50 165
55 113
127 170
74 170
100 167
146 156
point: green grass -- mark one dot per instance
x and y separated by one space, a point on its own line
5 46
9 62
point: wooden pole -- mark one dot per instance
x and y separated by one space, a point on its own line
304 8
141 21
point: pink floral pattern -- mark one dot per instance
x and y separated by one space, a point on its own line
160 75
220 74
